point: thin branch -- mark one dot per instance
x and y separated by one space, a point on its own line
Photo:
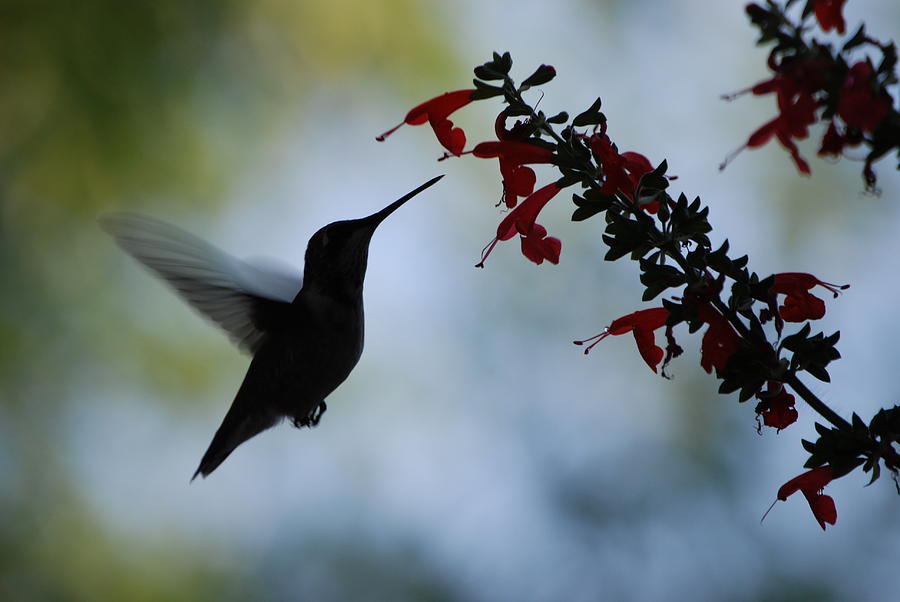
817 404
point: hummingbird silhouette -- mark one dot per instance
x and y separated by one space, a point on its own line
305 334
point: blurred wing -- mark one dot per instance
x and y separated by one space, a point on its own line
243 299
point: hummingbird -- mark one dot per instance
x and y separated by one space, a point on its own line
305 334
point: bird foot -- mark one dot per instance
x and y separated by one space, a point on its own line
313 419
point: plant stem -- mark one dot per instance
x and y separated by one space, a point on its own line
675 253
817 404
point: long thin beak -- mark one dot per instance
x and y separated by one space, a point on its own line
377 218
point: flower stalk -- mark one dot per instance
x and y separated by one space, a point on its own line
745 316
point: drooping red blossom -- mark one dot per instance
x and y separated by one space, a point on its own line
860 105
811 484
776 406
518 132
435 112
518 180
537 246
795 85
793 122
799 304
834 141
642 324
621 172
522 220
719 342
828 14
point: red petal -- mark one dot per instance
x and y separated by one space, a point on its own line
438 108
649 350
766 87
522 218
787 143
813 480
832 142
822 507
720 341
637 163
519 153
506 234
777 409
519 182
802 306
647 319
435 111
860 105
537 248
552 249
787 282
451 138
828 14
763 134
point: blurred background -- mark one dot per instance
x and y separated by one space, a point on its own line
475 453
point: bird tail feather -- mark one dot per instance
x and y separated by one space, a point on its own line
240 424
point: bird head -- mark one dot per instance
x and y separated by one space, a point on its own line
337 255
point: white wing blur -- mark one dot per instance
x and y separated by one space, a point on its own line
241 298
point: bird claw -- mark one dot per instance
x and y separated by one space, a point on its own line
317 413
313 419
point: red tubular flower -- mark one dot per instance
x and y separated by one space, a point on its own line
828 14
859 104
776 406
834 141
720 341
518 132
793 122
621 172
518 180
794 84
811 484
799 304
537 246
522 220
435 112
642 324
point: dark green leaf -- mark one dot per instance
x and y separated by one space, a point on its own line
560 117
483 90
858 38
542 75
487 73
592 116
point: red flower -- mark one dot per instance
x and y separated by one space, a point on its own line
518 180
538 245
795 83
435 112
622 172
859 104
834 141
828 14
811 484
799 304
776 406
720 341
518 132
642 324
793 122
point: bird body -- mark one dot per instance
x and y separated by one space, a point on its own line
304 344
